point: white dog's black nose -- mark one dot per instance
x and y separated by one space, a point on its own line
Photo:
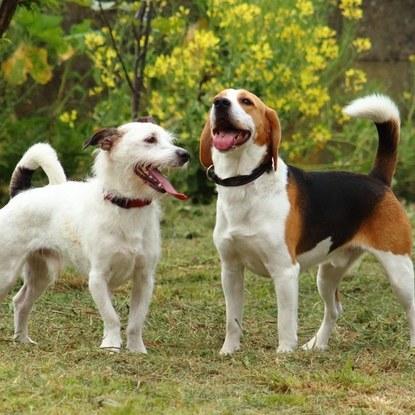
183 156
221 103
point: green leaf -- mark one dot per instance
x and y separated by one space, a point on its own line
41 71
42 27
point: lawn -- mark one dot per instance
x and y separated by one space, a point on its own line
368 368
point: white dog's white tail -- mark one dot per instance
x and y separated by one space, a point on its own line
385 114
39 155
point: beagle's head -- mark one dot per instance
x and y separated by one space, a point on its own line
238 117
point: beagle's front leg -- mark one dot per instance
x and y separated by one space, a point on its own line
233 288
286 288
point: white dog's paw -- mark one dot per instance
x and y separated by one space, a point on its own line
112 349
228 348
285 348
136 347
23 338
111 344
313 344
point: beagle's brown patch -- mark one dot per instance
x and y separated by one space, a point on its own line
387 228
294 224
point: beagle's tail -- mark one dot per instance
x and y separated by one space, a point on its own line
385 114
39 155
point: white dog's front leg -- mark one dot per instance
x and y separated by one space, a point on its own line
286 287
233 289
140 301
101 294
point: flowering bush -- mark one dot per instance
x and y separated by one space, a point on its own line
282 50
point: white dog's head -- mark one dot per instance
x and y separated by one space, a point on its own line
132 156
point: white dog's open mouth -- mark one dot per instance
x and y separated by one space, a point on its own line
229 139
153 177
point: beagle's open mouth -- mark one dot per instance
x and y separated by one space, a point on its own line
228 139
153 177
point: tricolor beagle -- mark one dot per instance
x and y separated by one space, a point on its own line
276 219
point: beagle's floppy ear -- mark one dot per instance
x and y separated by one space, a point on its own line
104 138
205 149
275 133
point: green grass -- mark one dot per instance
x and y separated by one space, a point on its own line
368 368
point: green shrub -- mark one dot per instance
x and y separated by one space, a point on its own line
282 50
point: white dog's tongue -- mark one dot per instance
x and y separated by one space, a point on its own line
225 140
167 186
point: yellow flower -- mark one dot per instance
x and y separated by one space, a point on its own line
69 117
314 58
320 135
96 90
305 7
324 32
313 101
351 9
108 79
93 40
341 117
362 44
412 58
355 79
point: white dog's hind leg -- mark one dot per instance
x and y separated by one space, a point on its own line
38 273
101 294
400 271
286 288
140 301
328 279
233 289
9 273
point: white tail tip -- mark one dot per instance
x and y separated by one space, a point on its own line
376 107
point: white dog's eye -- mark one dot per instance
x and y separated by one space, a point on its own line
151 139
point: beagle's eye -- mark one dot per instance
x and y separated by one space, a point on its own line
150 140
246 101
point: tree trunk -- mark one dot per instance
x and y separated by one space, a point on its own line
7 10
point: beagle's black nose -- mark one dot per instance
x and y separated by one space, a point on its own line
183 155
221 103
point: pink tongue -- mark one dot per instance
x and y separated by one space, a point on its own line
224 140
167 186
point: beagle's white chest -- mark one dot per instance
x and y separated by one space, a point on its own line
252 231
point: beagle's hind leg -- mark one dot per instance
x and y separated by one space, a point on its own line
328 280
400 272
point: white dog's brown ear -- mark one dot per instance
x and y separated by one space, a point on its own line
146 118
205 147
275 133
104 138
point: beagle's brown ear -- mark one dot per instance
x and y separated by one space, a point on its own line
205 147
275 133
104 138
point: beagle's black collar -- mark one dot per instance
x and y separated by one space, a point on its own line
265 167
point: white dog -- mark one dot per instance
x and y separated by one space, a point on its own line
107 227
275 219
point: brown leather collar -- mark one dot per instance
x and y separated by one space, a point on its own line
125 202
